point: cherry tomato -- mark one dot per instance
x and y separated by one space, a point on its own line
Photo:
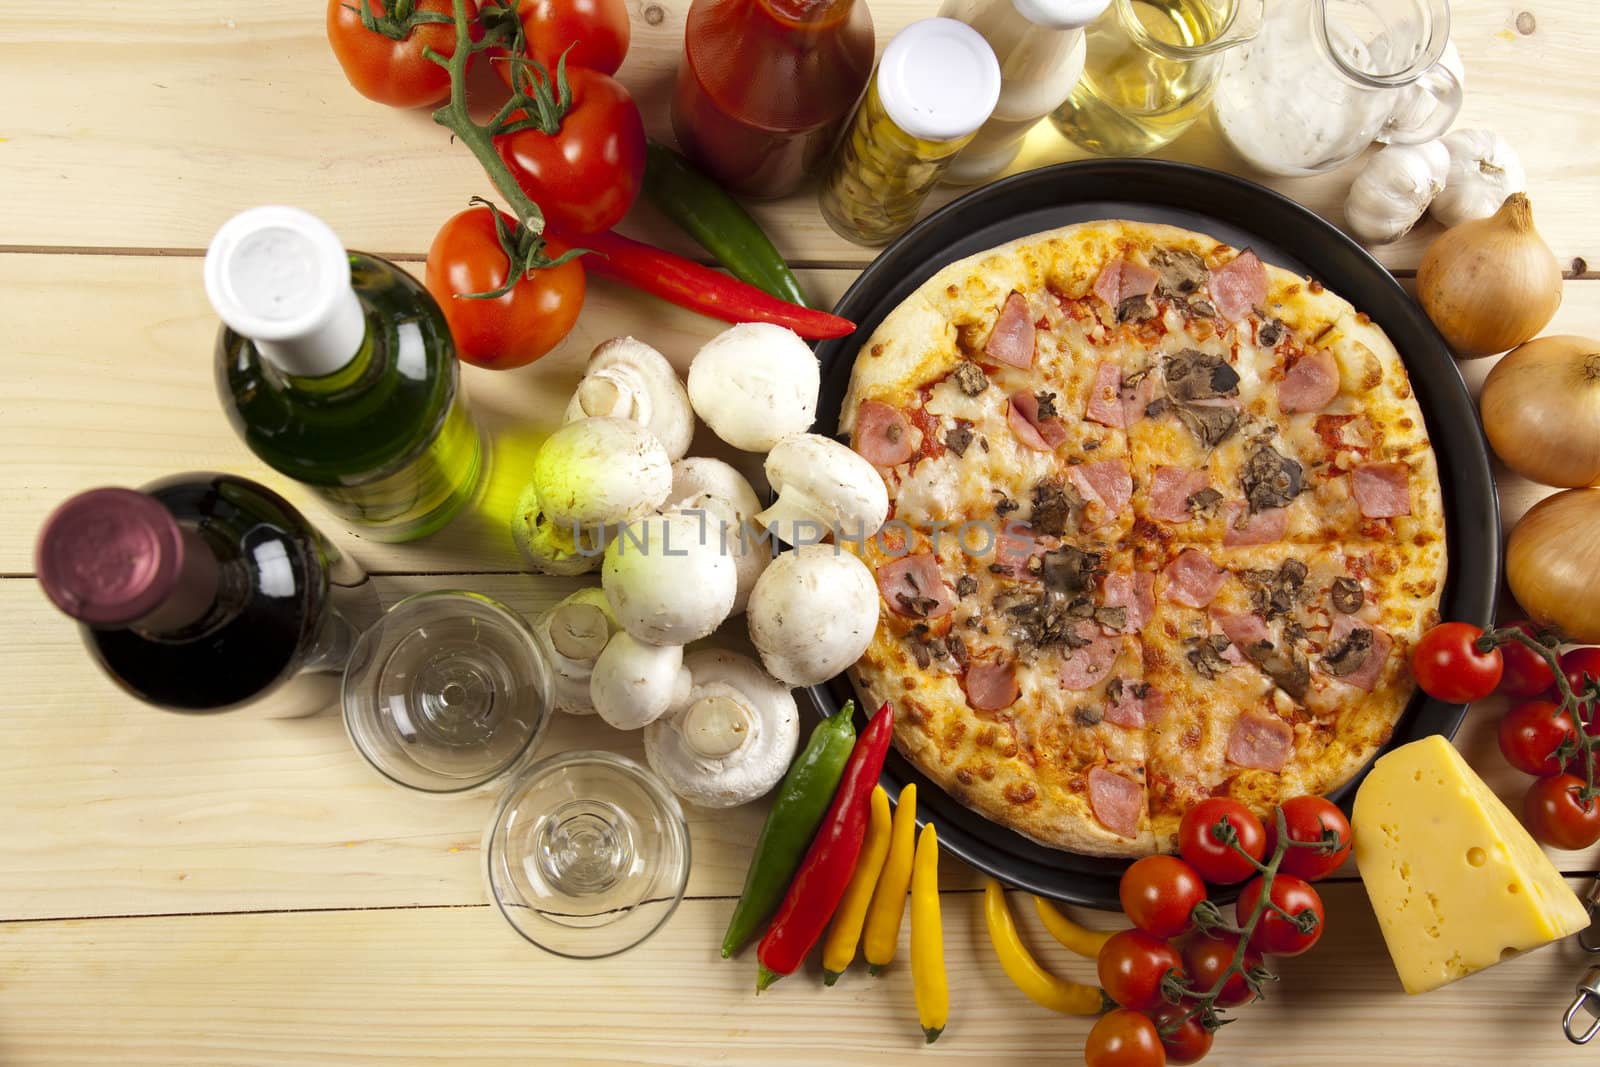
1526 674
1188 1042
1131 966
1576 663
1124 1039
1307 818
1207 956
1275 935
1448 667
587 174
395 72
597 31
1159 892
1554 814
1530 734
1216 862
517 327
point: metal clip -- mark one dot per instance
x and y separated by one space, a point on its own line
1588 999
1591 901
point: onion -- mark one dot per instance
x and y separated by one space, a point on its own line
1490 284
1541 410
1551 563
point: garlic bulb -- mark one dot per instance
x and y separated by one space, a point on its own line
1484 170
1392 193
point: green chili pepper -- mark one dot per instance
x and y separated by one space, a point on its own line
716 220
800 803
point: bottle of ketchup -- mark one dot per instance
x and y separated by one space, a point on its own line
765 86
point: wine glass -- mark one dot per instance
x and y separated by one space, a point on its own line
448 690
587 854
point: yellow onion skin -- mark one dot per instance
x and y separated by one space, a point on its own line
1541 410
1553 560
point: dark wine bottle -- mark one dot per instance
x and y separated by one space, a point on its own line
206 593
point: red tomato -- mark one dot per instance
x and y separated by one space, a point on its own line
517 327
1307 818
1526 675
1275 935
587 174
1448 667
1188 1042
1131 966
1575 664
1207 956
1554 814
1159 892
1216 862
1124 1039
1530 734
395 72
597 31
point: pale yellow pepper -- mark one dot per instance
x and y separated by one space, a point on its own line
928 980
882 933
1040 986
1080 939
839 950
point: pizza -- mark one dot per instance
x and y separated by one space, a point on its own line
1165 524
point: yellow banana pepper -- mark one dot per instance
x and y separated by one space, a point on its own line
1080 939
882 933
928 980
1041 987
839 951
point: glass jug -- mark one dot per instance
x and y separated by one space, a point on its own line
1151 67
1325 78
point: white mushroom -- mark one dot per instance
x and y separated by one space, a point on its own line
813 613
754 383
826 486
634 684
554 548
597 472
573 634
734 738
667 578
627 379
710 485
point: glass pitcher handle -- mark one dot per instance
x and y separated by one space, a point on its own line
1413 120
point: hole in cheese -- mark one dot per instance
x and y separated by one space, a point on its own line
1477 856
1513 888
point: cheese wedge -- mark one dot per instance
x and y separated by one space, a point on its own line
1457 883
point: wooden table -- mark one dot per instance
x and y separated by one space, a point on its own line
217 892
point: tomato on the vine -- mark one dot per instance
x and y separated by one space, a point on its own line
1131 965
1274 934
1530 734
1124 1038
1575 663
395 72
1217 862
1206 957
1526 673
1556 815
1449 667
1159 892
1189 1040
597 33
508 330
586 175
1307 819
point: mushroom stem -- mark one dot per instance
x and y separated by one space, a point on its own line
792 508
715 727
579 631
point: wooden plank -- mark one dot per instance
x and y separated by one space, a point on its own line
457 986
203 108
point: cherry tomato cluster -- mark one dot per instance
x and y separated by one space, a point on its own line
1183 960
1540 733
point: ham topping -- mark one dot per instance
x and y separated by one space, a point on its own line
1116 802
991 686
1086 666
1011 341
1239 527
1136 398
1105 397
1355 659
1170 490
1013 547
1035 429
1134 593
1382 490
913 587
1311 384
883 434
1260 741
1119 280
1108 483
1239 287
1192 579
1243 629
1131 704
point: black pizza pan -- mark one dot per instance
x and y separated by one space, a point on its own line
1283 233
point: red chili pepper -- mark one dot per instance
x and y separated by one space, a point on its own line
688 284
824 873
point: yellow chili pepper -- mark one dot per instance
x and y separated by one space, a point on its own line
1080 939
1041 987
839 951
927 939
882 933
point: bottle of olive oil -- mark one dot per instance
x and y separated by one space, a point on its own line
338 370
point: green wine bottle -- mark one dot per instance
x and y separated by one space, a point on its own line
338 370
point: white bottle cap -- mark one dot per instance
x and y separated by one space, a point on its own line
281 277
1061 14
939 80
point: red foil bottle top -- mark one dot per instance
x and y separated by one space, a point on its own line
108 557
